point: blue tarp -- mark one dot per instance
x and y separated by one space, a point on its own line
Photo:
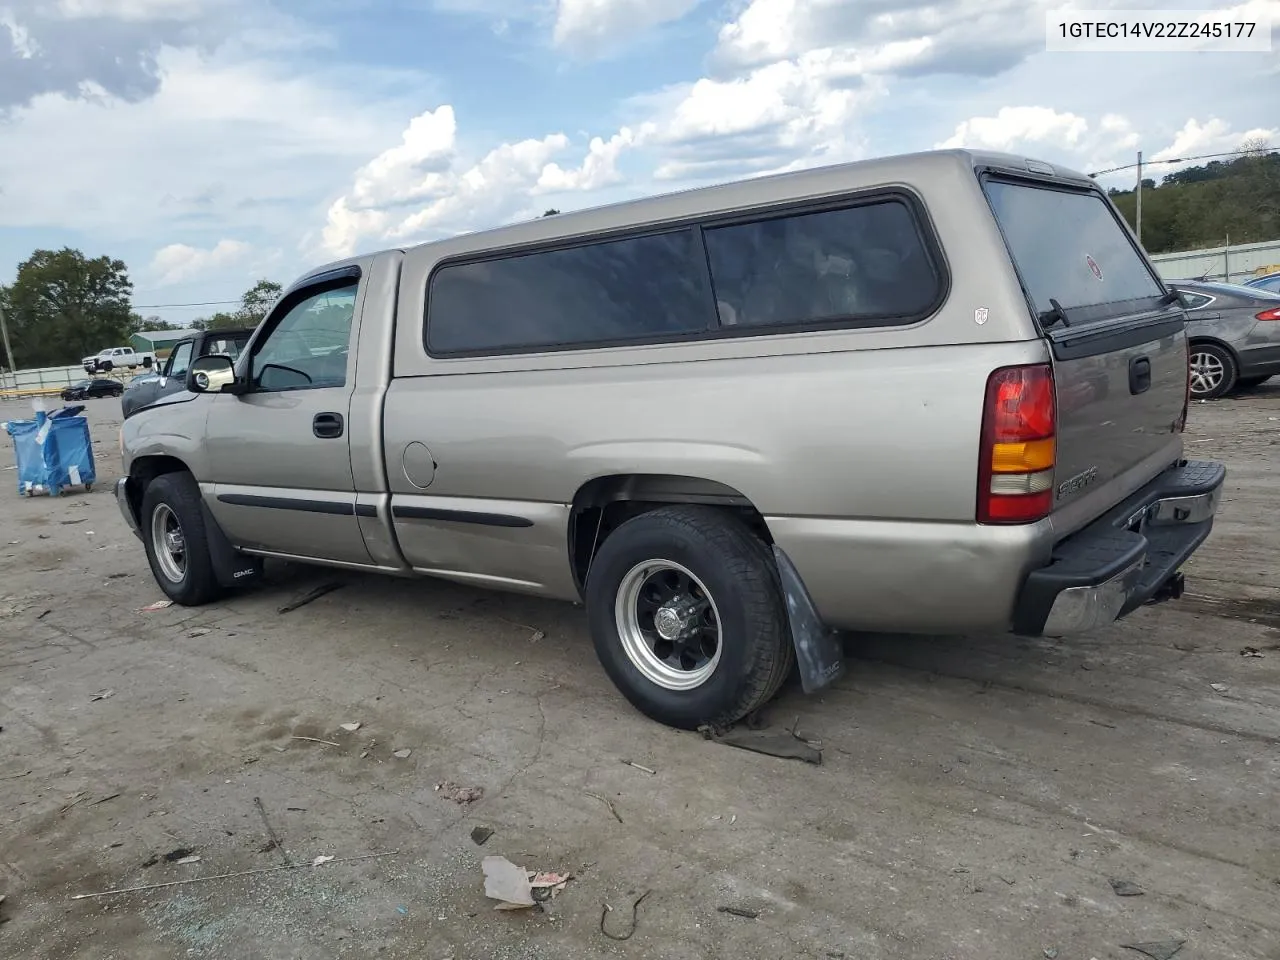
53 452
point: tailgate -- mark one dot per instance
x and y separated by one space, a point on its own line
1118 339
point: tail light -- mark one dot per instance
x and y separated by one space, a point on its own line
1272 314
1019 426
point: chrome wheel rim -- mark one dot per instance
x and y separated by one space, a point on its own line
168 543
1207 373
669 625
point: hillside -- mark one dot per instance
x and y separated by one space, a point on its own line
1202 206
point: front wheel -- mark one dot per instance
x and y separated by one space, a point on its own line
1213 371
688 618
177 547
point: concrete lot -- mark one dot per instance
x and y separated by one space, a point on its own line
977 794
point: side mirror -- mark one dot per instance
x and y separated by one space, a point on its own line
146 363
211 374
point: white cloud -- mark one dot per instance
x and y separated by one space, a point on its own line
23 45
231 136
961 36
593 27
413 167
599 168
1111 140
1212 136
1016 126
425 187
178 261
144 10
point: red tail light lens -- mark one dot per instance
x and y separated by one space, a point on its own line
1019 426
1272 314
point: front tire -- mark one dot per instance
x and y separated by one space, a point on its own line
688 617
1213 371
177 547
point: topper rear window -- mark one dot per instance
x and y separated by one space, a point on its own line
1069 246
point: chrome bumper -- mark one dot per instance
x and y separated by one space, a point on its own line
1081 609
1129 557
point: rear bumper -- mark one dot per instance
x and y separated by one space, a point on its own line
1127 557
1260 361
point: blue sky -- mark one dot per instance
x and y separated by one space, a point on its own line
210 143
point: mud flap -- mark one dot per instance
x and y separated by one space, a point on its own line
818 650
230 566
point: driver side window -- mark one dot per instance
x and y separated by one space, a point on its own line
309 346
179 360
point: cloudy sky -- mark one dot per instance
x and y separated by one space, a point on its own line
209 143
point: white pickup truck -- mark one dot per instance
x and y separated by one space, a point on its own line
107 360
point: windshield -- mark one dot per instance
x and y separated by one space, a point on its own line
1068 246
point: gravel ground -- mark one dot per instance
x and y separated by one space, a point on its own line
977 794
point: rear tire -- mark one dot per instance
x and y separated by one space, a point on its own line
1213 371
177 547
688 617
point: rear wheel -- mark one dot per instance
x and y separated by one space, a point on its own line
177 547
1213 371
688 618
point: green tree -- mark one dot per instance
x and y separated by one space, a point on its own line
218 321
63 306
139 324
254 304
551 213
257 301
1202 206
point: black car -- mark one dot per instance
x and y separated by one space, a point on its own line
92 389
171 377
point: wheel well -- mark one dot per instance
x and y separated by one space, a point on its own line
605 503
1196 341
145 469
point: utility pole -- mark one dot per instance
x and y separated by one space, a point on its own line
1138 215
8 350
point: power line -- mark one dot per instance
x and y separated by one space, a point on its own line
206 303
1147 163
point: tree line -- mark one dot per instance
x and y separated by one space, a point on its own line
1236 199
63 306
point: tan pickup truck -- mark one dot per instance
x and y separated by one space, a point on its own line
936 393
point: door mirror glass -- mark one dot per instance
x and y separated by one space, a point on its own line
210 374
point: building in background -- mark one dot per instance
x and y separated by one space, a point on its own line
1232 264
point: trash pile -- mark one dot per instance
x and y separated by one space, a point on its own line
516 888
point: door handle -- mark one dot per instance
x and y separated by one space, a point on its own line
1139 375
327 426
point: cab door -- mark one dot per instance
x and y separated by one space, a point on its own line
279 454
